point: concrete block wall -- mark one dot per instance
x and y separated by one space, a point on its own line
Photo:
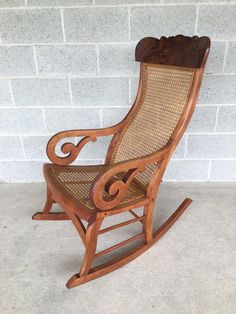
68 64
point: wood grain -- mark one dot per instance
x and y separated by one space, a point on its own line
177 50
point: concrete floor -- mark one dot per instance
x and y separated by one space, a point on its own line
192 269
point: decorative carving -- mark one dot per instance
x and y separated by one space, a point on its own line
176 51
116 180
71 149
116 187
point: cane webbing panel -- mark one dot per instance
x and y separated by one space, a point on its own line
78 180
164 94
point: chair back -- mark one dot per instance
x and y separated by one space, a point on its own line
170 75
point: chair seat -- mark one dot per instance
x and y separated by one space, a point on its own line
75 182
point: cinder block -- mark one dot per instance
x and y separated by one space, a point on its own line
96 24
84 162
112 116
134 88
126 1
12 3
67 60
195 1
216 57
35 147
223 170
180 149
207 146
230 64
21 121
10 148
117 60
68 119
227 119
102 91
203 120
187 170
218 89
28 26
41 92
163 20
96 150
21 171
5 96
16 60
154 1
217 21
55 3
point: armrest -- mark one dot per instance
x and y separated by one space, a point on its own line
117 187
71 149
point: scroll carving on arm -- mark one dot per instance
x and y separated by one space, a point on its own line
72 150
116 185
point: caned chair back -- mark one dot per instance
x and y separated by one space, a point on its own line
166 78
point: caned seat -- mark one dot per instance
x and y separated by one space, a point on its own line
76 182
142 144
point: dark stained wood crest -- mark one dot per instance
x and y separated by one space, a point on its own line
176 51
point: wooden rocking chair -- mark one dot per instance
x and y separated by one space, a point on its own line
170 77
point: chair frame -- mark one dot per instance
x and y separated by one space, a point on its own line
148 50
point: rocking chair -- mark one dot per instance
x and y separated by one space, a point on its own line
171 71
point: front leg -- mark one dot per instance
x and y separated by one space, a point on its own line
92 233
45 213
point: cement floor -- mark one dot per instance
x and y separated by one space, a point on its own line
192 269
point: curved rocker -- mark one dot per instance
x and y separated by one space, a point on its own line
142 144
114 264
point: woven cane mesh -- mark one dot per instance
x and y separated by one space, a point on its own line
78 180
164 94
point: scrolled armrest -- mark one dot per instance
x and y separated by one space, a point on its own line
72 150
116 186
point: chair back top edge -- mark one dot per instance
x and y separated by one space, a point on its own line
180 50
